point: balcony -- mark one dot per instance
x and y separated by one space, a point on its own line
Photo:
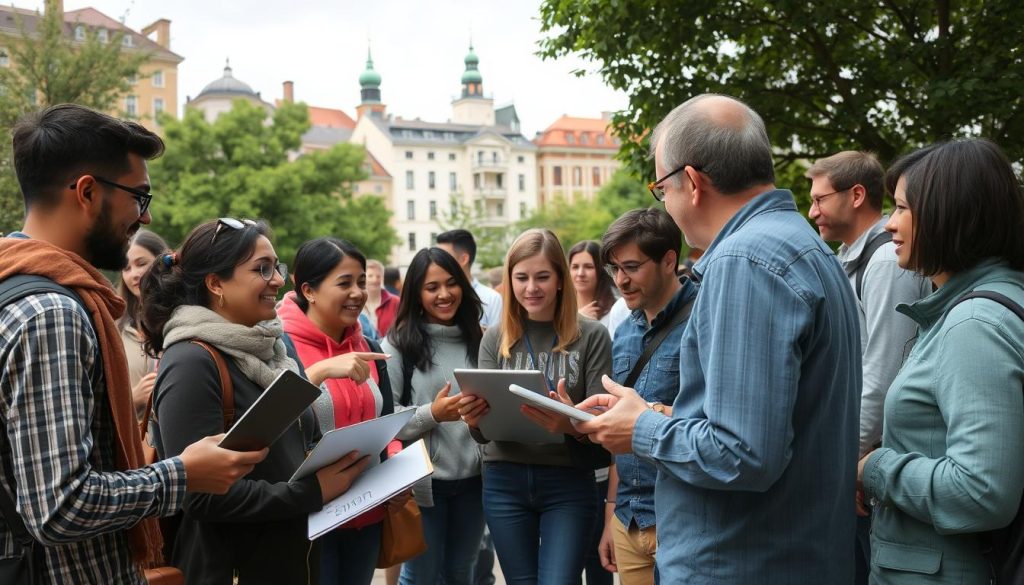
491 193
490 165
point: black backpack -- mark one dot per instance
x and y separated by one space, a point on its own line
861 264
1005 547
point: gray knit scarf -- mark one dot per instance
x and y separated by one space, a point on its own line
258 351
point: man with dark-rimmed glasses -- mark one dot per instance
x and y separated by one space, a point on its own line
75 495
756 460
846 204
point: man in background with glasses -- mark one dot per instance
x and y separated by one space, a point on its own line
757 460
75 495
846 204
641 253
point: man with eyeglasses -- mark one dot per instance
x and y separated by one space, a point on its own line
757 460
641 252
75 497
846 204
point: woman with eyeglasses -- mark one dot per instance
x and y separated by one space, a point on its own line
539 498
220 288
437 330
595 291
949 470
143 250
322 317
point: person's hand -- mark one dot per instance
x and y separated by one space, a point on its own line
212 470
862 509
142 391
552 422
590 310
353 365
472 409
613 429
336 478
606 548
445 408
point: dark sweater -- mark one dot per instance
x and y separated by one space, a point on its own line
259 526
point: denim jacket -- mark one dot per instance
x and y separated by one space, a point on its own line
757 465
658 382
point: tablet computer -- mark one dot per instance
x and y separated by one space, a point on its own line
547 403
272 413
505 422
369 437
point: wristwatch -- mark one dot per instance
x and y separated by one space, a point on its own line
658 407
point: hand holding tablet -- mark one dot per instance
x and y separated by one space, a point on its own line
550 404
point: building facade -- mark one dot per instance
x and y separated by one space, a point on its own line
154 89
575 157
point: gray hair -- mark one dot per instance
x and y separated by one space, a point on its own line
733 149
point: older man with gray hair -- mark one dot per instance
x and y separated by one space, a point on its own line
756 462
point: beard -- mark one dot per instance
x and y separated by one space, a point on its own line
108 249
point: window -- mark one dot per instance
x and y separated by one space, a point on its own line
556 179
521 160
408 155
378 189
540 176
158 106
5 58
412 241
79 33
501 180
451 156
577 176
428 134
431 179
522 209
600 138
476 181
522 182
158 78
569 138
433 236
453 209
595 177
494 157
355 188
126 40
584 138
480 157
430 156
102 35
433 212
453 183
410 210
409 183
131 105
133 79
499 209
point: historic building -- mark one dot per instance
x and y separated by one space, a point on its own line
575 157
220 94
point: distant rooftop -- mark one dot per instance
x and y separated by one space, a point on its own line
569 131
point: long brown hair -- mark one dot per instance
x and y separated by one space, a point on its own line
604 287
529 244
156 246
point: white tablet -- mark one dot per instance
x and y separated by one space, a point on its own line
547 403
505 421
369 437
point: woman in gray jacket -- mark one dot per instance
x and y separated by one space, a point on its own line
437 330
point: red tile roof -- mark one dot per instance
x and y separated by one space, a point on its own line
326 117
585 132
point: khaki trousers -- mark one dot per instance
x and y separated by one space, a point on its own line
634 552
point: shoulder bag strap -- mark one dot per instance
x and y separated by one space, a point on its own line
993 296
227 390
678 317
861 264
407 370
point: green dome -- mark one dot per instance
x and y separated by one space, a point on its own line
471 58
472 76
369 78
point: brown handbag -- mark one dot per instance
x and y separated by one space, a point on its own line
168 575
402 535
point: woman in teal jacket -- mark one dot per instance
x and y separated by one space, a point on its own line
949 469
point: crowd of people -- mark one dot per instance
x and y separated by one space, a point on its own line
772 413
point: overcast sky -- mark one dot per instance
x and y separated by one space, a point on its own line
418 48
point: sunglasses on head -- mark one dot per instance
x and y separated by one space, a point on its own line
232 223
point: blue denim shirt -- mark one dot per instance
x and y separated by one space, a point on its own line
756 466
658 382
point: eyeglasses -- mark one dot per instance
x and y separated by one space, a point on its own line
143 198
657 191
817 200
230 222
267 271
627 267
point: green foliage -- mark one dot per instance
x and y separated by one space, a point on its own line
47 67
238 166
492 240
588 220
825 76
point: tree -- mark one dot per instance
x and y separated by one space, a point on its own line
47 67
239 166
825 76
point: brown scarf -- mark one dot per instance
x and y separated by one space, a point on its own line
70 270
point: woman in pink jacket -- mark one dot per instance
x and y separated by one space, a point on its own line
322 318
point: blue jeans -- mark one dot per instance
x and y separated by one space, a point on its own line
350 555
541 519
452 528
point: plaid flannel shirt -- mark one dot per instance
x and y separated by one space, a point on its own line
58 448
